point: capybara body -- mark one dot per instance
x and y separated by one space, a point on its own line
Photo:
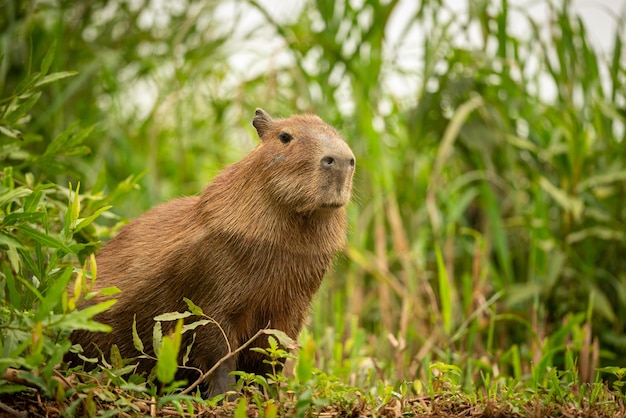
251 250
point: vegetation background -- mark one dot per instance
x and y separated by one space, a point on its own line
487 238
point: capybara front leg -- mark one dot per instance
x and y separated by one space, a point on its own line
221 381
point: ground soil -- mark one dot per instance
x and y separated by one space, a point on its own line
33 405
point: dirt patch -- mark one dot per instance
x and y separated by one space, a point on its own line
33 405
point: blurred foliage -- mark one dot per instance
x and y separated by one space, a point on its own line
488 228
45 231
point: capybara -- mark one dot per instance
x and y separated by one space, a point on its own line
251 250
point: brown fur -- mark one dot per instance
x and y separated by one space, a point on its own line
250 251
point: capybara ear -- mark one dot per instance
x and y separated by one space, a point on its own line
262 122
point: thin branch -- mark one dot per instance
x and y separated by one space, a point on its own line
13 412
13 375
222 361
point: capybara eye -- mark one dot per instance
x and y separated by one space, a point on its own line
284 137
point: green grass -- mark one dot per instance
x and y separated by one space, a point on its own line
485 263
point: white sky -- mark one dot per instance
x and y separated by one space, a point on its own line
600 17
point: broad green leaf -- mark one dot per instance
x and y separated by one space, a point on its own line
271 410
306 360
115 357
284 339
110 291
196 324
172 316
13 388
195 309
241 410
619 372
83 318
167 361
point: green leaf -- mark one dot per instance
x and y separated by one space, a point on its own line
157 338
67 140
172 316
167 361
32 202
89 219
49 57
284 339
52 297
26 83
12 388
444 291
73 210
54 77
21 217
15 297
602 180
43 239
271 410
8 181
10 132
241 411
9 240
195 309
306 361
196 324
569 203
304 370
20 111
618 372
110 291
137 343
75 204
133 387
82 319
14 195
599 232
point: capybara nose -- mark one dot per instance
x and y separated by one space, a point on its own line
337 162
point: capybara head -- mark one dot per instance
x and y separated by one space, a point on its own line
307 165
